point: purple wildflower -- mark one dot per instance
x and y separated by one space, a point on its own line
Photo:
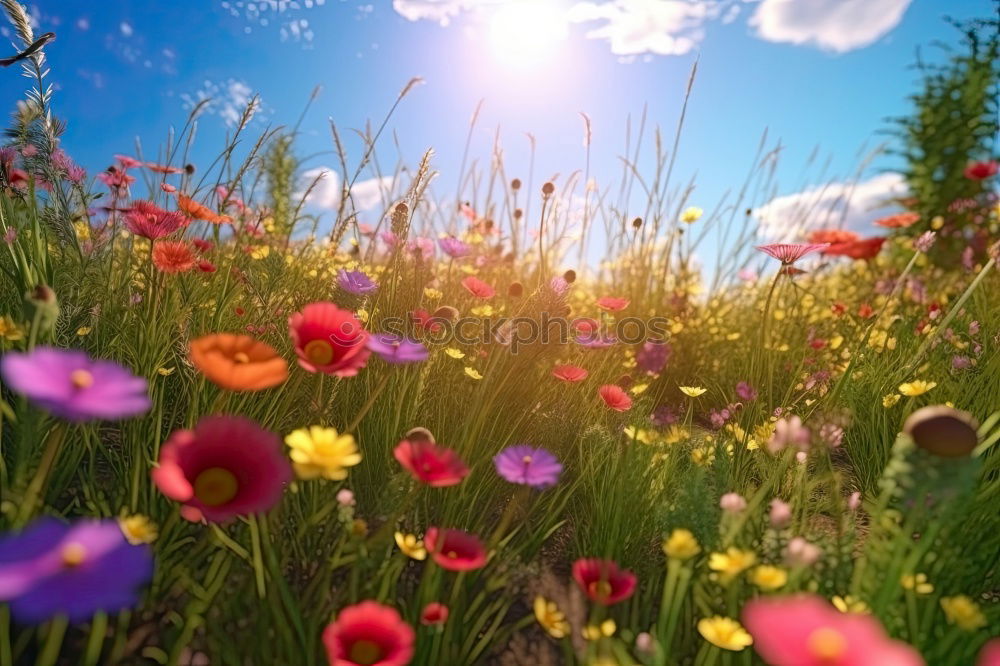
526 465
789 433
453 247
746 392
395 349
52 568
355 282
925 241
663 416
74 387
652 357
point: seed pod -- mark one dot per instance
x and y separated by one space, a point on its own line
189 169
515 184
570 276
518 213
943 431
515 290
547 189
446 312
637 223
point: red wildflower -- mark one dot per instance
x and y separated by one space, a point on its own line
206 266
586 324
569 373
789 253
424 321
202 245
148 220
865 311
173 256
982 170
428 463
434 613
160 168
862 249
832 236
602 581
615 398
612 304
369 634
478 288
838 308
455 550
898 221
329 340
227 466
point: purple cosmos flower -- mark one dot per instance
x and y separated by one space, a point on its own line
528 466
355 282
652 357
52 568
395 349
72 386
453 247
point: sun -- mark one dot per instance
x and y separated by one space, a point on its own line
527 32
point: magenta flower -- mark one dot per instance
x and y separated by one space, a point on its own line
789 253
528 466
74 387
52 568
355 282
395 349
652 357
453 247
746 391
148 220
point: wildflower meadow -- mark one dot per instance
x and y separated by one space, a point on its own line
532 425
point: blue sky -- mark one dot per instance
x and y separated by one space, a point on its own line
812 72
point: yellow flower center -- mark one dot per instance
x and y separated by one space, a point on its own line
365 653
319 352
73 554
452 554
600 589
81 379
240 357
215 486
826 644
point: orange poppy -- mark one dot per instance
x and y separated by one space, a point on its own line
200 212
238 362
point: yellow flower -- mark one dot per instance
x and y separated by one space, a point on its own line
363 315
916 387
681 545
165 372
639 435
724 632
639 388
692 391
731 563
850 604
411 546
890 400
691 214
552 619
432 294
319 451
594 632
9 330
675 434
964 612
138 529
917 583
83 330
260 252
769 578
454 353
473 373
483 310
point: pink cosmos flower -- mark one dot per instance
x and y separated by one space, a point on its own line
789 253
569 373
478 288
148 220
612 304
806 631
615 398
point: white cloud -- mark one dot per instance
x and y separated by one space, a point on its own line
439 11
366 194
126 29
634 27
228 100
834 205
835 25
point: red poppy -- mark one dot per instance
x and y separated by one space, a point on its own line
369 634
602 581
202 245
866 248
478 288
227 466
206 266
615 398
434 613
329 340
898 221
982 170
455 550
612 304
832 236
173 256
586 324
424 321
569 373
428 463
865 311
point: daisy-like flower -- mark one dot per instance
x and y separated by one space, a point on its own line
455 550
551 619
396 349
369 634
692 391
769 578
453 247
148 220
454 353
890 400
70 385
355 282
731 563
691 214
138 529
849 604
328 339
238 362
724 632
473 373
963 612
528 466
322 452
615 398
227 466
429 463
478 288
916 387
411 546
789 253
76 570
173 256
681 545
603 581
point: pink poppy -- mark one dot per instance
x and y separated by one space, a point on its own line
369 633
428 463
612 304
227 466
569 373
329 340
789 253
478 288
455 550
434 613
806 631
615 398
602 581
